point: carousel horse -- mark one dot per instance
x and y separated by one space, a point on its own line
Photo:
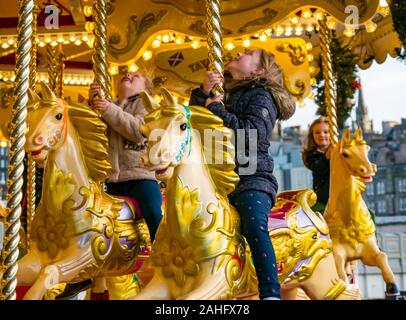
199 252
78 232
349 220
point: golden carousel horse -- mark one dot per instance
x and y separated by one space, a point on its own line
78 231
349 220
199 252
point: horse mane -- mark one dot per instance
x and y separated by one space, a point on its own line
93 140
224 177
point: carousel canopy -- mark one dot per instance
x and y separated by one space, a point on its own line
167 38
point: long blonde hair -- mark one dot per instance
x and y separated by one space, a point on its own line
272 80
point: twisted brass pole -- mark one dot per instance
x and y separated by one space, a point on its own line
100 65
33 61
214 40
17 139
329 80
61 66
31 165
52 62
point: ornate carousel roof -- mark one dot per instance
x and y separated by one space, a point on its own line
167 38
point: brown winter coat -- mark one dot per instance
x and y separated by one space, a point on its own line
126 144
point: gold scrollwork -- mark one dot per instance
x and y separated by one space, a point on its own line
199 27
269 15
136 26
297 90
297 52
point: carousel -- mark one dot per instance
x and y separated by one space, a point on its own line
63 237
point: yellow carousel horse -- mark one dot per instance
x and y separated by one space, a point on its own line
78 231
349 220
199 252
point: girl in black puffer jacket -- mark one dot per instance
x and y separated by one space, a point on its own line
255 98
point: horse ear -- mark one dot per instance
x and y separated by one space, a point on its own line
150 104
168 97
358 134
346 136
47 93
339 147
32 96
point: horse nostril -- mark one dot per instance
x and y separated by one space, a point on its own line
165 156
363 169
39 139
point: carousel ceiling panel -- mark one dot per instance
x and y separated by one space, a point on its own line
131 24
182 69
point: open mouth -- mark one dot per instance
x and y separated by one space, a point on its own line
38 152
125 79
162 171
366 178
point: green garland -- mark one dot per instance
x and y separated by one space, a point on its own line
398 11
345 72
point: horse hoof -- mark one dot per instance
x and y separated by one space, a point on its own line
73 289
392 290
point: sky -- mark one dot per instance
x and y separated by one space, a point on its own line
384 88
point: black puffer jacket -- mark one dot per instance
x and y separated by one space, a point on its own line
248 107
317 162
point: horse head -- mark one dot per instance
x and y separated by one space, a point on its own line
353 152
168 131
46 119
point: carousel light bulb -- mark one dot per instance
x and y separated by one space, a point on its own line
87 11
310 57
309 46
349 31
65 42
54 43
133 67
147 55
48 40
13 77
113 69
179 40
159 37
306 14
310 28
10 41
383 3
85 38
299 31
246 43
263 37
5 45
60 39
294 19
72 39
230 46
279 30
78 42
42 44
89 26
371 26
268 32
331 24
156 43
166 38
195 44
319 15
288 31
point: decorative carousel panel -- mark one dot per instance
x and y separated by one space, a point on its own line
181 70
131 24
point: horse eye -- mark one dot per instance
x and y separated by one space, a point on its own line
58 116
346 155
183 126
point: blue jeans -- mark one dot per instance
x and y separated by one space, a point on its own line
254 207
149 197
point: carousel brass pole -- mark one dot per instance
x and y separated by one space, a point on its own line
61 66
31 165
17 138
329 81
214 40
52 62
100 65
